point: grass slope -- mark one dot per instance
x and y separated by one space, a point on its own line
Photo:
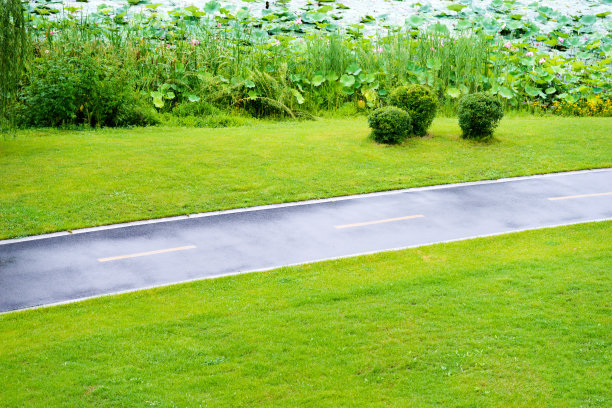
58 180
516 320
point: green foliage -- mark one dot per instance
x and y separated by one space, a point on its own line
198 109
479 115
237 67
271 66
132 111
390 125
420 102
263 95
74 88
13 50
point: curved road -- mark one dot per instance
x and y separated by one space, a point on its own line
66 267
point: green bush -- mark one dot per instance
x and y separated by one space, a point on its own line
479 115
76 89
195 109
263 96
135 112
390 125
420 102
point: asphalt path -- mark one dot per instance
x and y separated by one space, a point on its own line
65 267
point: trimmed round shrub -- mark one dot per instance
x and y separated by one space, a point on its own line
479 115
390 125
420 102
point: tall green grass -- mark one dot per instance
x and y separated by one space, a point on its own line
13 45
273 66
236 66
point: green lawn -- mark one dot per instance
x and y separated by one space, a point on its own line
517 320
58 180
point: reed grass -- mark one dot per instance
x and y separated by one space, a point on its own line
211 58
13 45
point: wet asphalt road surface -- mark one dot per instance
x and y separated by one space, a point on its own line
55 269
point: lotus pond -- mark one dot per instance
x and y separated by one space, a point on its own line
299 58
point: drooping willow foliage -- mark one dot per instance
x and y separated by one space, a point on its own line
13 48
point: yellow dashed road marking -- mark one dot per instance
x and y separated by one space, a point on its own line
579 196
362 224
161 251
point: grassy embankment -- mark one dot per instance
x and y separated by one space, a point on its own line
56 180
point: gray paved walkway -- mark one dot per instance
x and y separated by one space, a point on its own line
67 267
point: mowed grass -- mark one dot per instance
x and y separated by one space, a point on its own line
63 180
522 320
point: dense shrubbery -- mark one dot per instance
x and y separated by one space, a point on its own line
479 115
70 89
420 102
390 125
273 66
